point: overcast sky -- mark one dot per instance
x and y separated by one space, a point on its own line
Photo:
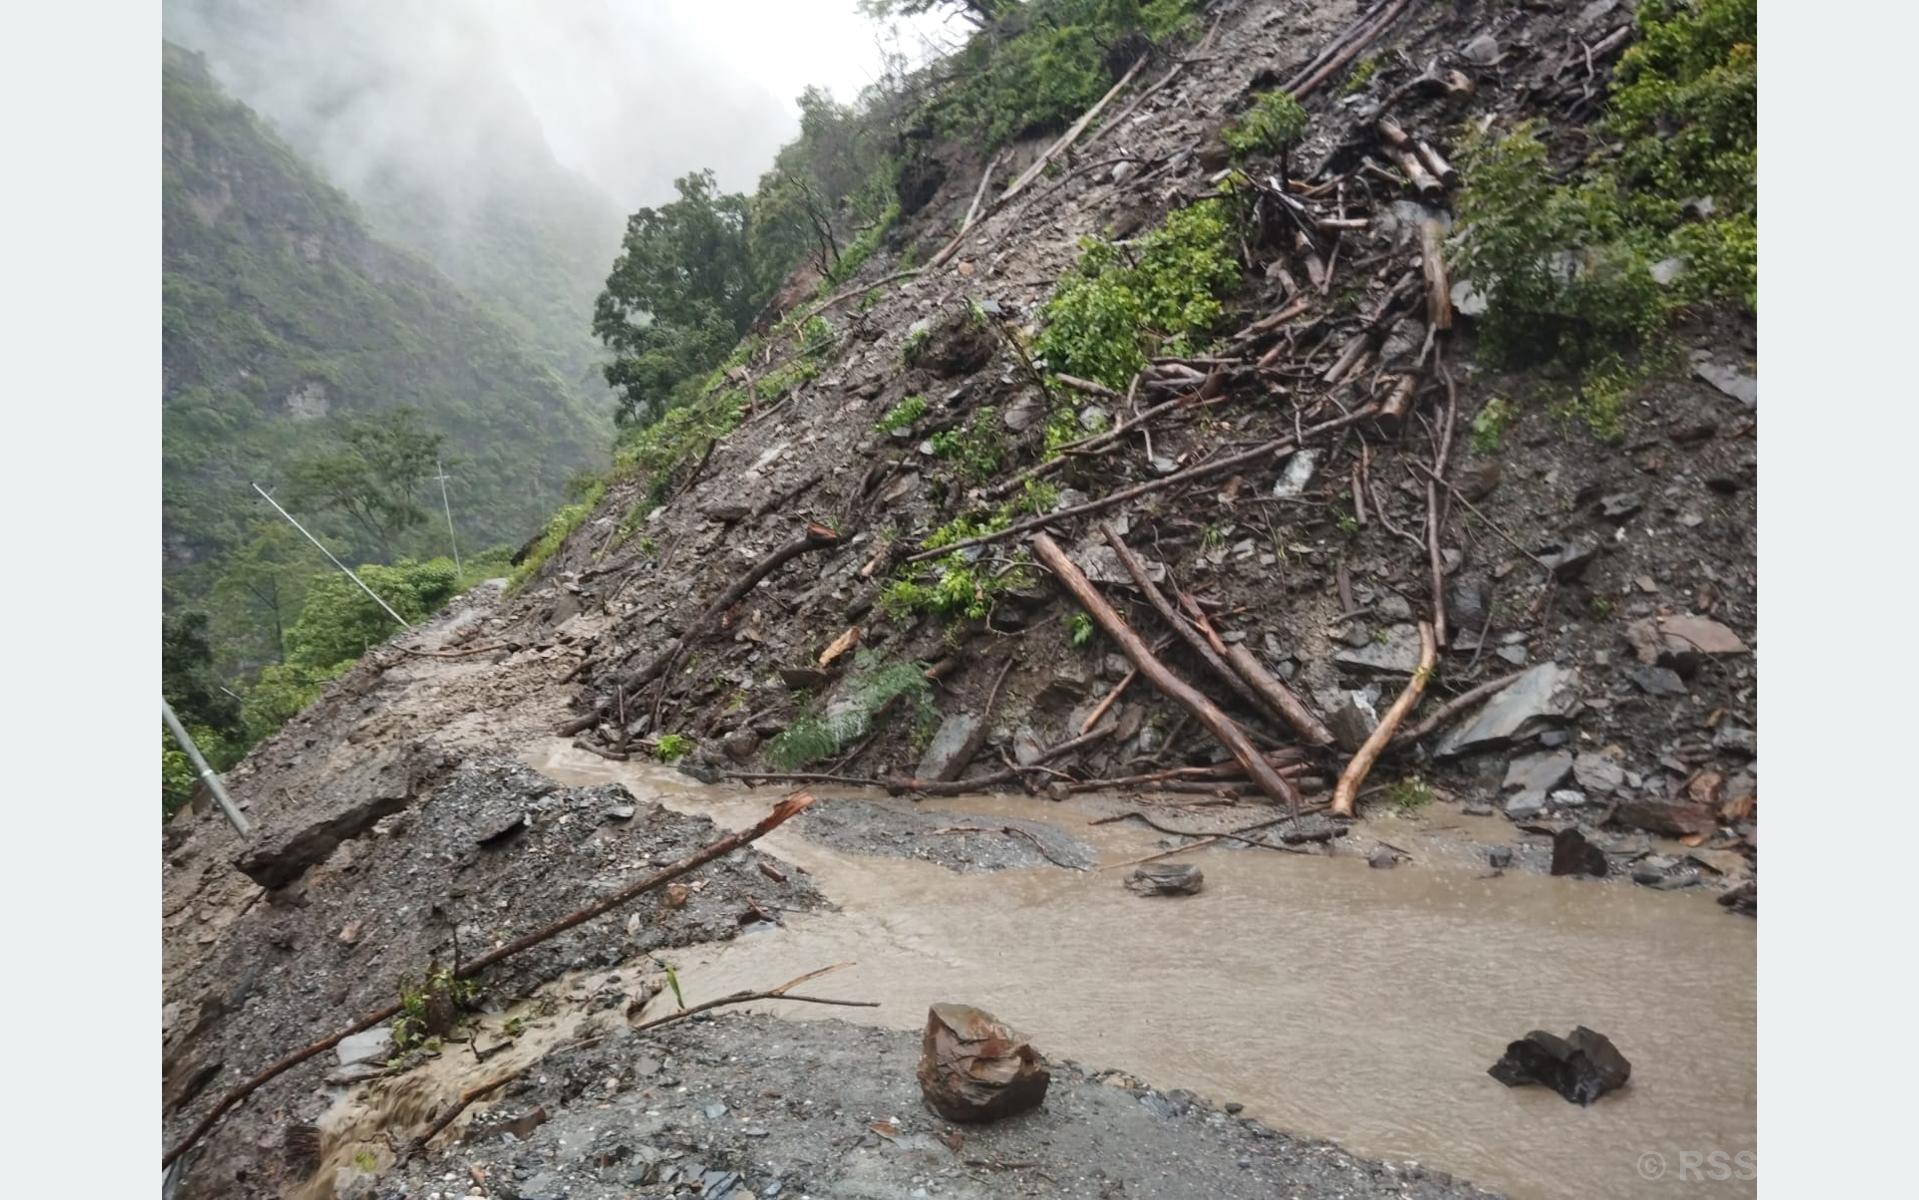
629 93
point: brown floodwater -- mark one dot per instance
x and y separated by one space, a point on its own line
1332 1000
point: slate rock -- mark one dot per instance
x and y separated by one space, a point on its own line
370 1045
974 1067
1657 681
1734 384
1665 817
1543 697
1532 777
1598 772
1166 879
1681 641
740 745
1574 855
953 746
1398 654
1582 1067
1499 857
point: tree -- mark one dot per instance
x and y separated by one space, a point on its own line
373 473
980 12
339 621
211 714
260 590
680 294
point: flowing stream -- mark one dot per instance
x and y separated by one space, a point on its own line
1332 1000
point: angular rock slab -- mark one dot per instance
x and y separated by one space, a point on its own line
953 746
1398 654
1582 1067
1166 879
1544 696
974 1067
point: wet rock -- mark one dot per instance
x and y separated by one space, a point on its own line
804 679
1352 721
1743 899
1382 859
1733 384
1499 857
371 1045
1574 855
727 513
1395 652
1531 777
1466 605
1598 771
1736 739
974 1067
1568 561
1657 681
1665 817
955 743
355 802
1543 697
1582 1066
740 745
1476 481
959 344
1166 879
1682 642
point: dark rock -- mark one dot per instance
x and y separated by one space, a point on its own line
1544 696
1574 855
958 344
1352 721
1166 879
919 179
1743 899
1499 857
955 743
1568 561
804 679
1582 1066
1477 481
1737 739
354 803
727 513
740 745
1657 681
974 1067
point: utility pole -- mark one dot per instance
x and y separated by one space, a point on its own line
449 513
329 557
220 796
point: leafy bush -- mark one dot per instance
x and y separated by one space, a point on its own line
339 621
1573 271
902 415
1272 124
672 747
1156 294
870 689
976 448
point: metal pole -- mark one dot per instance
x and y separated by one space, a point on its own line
329 557
449 513
220 796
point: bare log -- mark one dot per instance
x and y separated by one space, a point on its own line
1345 47
1197 471
1278 697
1134 647
1432 259
1346 793
1174 622
1437 164
1399 402
783 811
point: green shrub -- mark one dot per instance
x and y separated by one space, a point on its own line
1158 294
976 448
816 736
1572 270
1489 426
1272 124
672 747
902 415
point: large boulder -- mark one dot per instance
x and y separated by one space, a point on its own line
1582 1066
975 1067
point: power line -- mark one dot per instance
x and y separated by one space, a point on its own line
329 555
449 513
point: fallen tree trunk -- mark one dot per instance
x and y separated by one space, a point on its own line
1432 260
1346 793
1221 726
815 537
1281 699
782 812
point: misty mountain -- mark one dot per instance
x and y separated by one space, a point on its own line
282 313
411 111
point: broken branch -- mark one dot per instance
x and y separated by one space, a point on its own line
1347 790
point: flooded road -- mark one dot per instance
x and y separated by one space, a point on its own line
1331 1000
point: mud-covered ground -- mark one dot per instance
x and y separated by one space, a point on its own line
956 842
747 1106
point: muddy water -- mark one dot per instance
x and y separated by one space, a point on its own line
1331 1000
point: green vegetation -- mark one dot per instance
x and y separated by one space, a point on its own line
1270 126
1362 74
1573 270
1409 795
1037 65
1157 294
415 1026
672 747
1489 426
1080 629
902 415
975 449
872 688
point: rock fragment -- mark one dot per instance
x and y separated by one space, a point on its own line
1166 879
974 1067
1582 1067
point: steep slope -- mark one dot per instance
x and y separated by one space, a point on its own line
280 310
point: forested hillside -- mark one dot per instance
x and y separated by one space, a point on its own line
302 352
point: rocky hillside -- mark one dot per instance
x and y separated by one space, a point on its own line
282 314
1184 461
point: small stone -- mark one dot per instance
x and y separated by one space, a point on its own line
714 1111
1166 879
1567 798
975 1067
1499 857
1482 51
1573 854
621 812
1736 739
1396 653
1657 681
1598 772
1382 859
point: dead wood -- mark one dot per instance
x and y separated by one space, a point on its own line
1197 471
1135 648
783 811
1347 790
782 992
1452 708
1399 402
1432 260
1282 700
1345 47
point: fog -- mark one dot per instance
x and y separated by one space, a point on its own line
629 94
